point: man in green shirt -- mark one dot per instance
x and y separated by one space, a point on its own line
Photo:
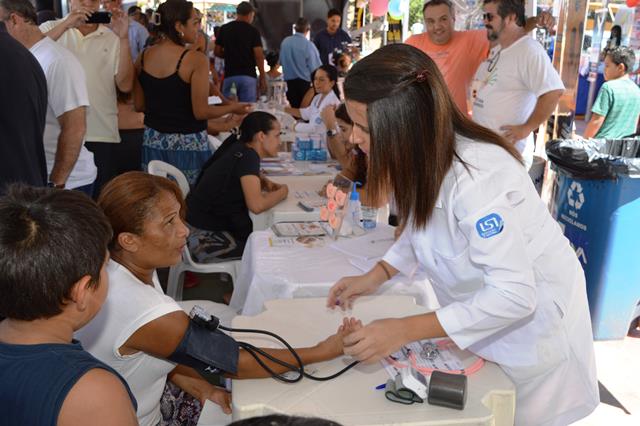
617 107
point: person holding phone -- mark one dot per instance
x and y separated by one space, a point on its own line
103 50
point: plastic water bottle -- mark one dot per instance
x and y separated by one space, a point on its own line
355 208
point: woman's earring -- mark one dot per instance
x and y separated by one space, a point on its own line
181 34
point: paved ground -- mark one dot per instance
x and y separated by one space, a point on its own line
619 375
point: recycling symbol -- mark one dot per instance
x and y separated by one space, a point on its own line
575 195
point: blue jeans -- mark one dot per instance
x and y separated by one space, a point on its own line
87 189
246 87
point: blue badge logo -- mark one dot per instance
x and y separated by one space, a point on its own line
490 225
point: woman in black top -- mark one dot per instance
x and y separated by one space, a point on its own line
172 89
229 186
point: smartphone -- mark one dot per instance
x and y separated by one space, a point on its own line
99 17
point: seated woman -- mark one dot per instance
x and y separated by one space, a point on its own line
324 80
144 334
46 378
230 186
172 89
351 159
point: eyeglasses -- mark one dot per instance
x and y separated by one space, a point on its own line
488 16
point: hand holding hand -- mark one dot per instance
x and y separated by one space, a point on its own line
515 133
375 341
332 346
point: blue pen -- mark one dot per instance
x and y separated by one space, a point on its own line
382 386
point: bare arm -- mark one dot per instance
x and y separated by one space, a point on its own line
125 73
544 107
218 51
594 125
258 53
100 396
162 336
293 111
258 201
200 91
138 93
188 379
72 130
73 20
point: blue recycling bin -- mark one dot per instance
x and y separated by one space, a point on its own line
597 203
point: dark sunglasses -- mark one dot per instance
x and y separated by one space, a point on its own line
488 16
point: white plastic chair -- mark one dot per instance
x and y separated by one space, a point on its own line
160 168
174 284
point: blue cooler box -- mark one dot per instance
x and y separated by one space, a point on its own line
601 218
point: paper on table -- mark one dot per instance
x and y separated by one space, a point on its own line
444 359
367 247
213 100
364 265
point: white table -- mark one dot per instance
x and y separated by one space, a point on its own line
268 273
351 399
288 210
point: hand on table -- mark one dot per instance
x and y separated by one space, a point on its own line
217 395
348 289
515 133
371 343
332 346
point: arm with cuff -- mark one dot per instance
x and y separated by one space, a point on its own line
177 338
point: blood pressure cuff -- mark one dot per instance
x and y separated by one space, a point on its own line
207 351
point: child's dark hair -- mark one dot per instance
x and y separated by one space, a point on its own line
272 58
49 240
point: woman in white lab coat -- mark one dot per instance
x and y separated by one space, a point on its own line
324 80
510 287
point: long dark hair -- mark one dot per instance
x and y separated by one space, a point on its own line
170 12
332 73
255 122
413 123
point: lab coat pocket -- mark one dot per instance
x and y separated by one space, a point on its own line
457 274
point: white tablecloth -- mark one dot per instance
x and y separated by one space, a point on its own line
269 273
288 210
351 399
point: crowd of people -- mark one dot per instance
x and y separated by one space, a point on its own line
441 127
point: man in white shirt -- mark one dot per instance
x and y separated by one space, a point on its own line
516 88
104 54
69 163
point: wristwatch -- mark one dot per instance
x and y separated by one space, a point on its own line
332 132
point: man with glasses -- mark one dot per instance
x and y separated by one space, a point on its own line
516 89
458 54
